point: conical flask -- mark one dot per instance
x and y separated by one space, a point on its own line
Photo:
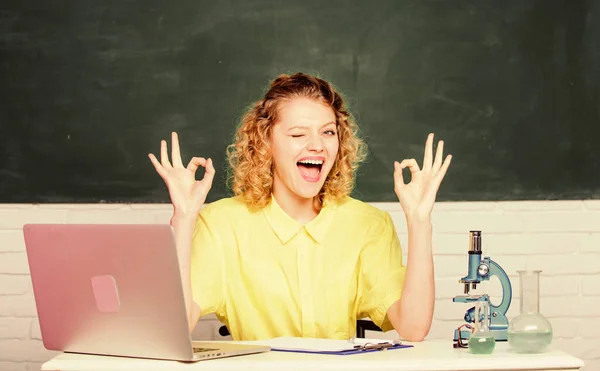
530 331
481 341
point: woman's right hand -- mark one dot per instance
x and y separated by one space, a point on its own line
187 193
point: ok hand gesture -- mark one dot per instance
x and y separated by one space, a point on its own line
418 196
187 193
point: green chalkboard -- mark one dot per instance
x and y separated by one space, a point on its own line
89 88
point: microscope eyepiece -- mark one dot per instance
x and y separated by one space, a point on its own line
475 242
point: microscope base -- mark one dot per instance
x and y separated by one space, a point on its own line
499 335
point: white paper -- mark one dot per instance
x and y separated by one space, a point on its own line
312 344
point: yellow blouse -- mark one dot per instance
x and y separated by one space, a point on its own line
265 275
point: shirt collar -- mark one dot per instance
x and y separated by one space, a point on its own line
286 227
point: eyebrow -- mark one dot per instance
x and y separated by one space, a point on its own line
306 127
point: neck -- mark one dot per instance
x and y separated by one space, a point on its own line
303 210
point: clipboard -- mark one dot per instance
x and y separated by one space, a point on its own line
357 349
331 347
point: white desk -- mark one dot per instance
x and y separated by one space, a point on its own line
429 355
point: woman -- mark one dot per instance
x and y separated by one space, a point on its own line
291 253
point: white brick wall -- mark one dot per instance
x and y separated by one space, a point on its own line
560 237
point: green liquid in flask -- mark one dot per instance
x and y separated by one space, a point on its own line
481 340
530 341
482 344
530 331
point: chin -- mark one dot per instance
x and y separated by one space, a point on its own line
308 193
307 190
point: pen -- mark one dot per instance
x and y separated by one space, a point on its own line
369 346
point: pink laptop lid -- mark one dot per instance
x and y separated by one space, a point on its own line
108 289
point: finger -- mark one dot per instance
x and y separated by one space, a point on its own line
164 157
411 164
428 156
444 168
398 178
159 169
175 153
438 156
195 162
209 174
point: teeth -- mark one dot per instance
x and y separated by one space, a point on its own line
312 162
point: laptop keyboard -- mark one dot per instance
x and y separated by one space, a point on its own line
201 350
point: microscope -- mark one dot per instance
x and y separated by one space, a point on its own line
481 269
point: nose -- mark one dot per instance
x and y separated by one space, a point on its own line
315 143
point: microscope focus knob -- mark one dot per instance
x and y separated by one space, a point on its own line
483 270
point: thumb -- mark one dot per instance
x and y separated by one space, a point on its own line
398 178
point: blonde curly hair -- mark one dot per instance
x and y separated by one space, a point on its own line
250 162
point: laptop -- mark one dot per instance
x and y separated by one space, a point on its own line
109 289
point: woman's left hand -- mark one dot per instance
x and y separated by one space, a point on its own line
418 196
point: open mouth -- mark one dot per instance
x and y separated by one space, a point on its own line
310 169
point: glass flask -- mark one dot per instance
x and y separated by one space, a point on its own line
530 331
481 341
